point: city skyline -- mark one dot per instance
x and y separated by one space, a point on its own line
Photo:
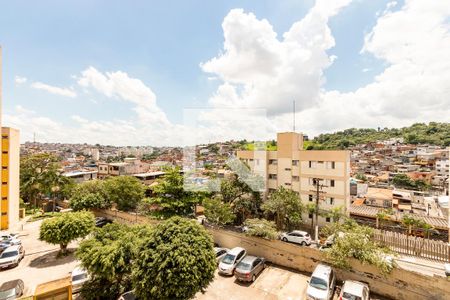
117 78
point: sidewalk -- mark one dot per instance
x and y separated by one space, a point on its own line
421 265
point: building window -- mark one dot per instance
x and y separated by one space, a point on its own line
4 167
327 219
320 162
287 183
4 183
272 161
4 198
4 137
295 178
331 201
310 197
4 213
272 190
295 162
272 176
310 216
332 182
333 165
5 152
310 164
287 169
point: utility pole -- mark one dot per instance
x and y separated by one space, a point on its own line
319 196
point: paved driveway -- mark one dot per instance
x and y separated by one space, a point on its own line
273 283
40 264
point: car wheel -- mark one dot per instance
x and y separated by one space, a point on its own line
284 239
253 278
303 243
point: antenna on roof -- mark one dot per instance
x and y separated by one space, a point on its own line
293 115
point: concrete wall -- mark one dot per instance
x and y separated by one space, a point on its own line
400 284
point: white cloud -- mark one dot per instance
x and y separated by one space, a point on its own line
413 42
54 89
119 84
20 80
261 70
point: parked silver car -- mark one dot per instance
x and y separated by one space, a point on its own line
231 259
249 268
322 283
79 277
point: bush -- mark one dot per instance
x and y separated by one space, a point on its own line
261 228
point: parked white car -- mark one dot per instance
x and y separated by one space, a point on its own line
11 256
231 259
297 236
354 290
12 239
322 283
220 253
79 277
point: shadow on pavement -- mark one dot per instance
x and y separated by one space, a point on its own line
51 259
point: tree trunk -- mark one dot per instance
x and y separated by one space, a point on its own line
63 248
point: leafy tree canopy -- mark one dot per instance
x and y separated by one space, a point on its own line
170 195
66 227
286 206
108 255
125 191
175 262
89 194
419 133
261 228
217 212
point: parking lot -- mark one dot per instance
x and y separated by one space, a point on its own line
40 264
273 283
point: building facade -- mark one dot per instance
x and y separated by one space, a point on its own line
10 162
294 168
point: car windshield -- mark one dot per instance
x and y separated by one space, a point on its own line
228 259
348 296
79 277
244 266
318 283
7 294
9 254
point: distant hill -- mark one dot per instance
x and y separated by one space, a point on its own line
420 133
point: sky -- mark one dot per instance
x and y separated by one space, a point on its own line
166 73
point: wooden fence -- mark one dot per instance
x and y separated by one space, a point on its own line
414 246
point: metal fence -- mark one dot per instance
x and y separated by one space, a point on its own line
414 246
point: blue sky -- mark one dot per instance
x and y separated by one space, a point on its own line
161 43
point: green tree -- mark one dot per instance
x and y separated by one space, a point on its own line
171 197
89 194
125 191
335 213
217 212
261 228
286 206
37 174
65 228
357 242
108 256
383 215
175 262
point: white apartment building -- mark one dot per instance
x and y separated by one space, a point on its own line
442 168
294 168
